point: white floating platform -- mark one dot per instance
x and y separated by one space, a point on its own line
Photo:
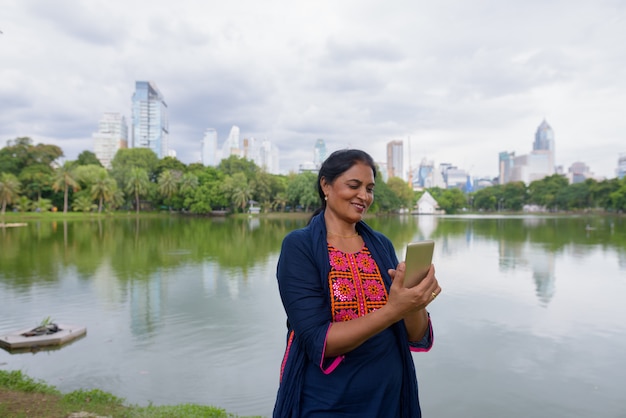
65 334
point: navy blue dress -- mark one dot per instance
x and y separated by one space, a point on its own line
376 379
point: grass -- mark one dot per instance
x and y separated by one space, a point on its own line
24 397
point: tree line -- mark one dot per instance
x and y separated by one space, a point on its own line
31 179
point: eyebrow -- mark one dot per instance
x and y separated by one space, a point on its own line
360 182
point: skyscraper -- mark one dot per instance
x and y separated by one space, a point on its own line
319 153
112 135
621 166
395 158
150 127
231 146
209 148
544 143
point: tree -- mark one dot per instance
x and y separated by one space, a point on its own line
21 153
237 190
234 164
137 183
83 204
514 195
302 190
9 190
64 179
23 204
402 190
88 158
544 192
36 179
103 189
168 184
128 158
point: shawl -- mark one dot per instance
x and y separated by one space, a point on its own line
306 251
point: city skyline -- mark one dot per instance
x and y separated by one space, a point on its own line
462 82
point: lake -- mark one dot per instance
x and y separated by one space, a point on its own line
531 321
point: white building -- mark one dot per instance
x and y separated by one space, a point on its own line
111 136
209 153
232 145
427 205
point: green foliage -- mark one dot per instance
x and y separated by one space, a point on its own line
128 158
83 203
302 190
401 190
94 396
9 190
137 184
450 200
21 153
65 179
88 158
184 410
234 164
16 380
385 200
36 180
544 192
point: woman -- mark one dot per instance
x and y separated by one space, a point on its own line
351 322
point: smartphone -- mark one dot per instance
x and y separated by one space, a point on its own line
419 257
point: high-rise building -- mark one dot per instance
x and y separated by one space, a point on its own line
269 157
621 166
395 158
319 153
111 136
536 165
578 172
544 141
150 128
505 166
231 146
209 148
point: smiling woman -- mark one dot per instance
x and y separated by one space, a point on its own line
351 323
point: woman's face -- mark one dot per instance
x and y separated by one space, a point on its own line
351 193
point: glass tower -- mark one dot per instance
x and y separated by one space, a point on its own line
319 153
150 119
544 141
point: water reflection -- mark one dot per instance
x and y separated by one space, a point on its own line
187 310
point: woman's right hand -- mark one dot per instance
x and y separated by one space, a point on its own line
402 300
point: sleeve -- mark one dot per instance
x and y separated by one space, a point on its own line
304 298
426 343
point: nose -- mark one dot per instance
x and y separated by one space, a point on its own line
362 194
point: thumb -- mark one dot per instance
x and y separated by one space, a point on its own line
397 275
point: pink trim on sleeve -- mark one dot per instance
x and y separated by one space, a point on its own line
431 338
334 363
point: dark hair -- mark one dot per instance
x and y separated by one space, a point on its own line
338 163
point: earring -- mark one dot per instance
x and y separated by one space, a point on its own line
326 198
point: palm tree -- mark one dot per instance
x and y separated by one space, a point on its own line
137 184
103 188
188 182
168 184
9 189
83 204
64 179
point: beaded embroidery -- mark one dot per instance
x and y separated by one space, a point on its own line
356 286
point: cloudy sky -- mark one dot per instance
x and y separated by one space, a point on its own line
459 80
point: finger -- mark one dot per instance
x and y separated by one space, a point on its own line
398 275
